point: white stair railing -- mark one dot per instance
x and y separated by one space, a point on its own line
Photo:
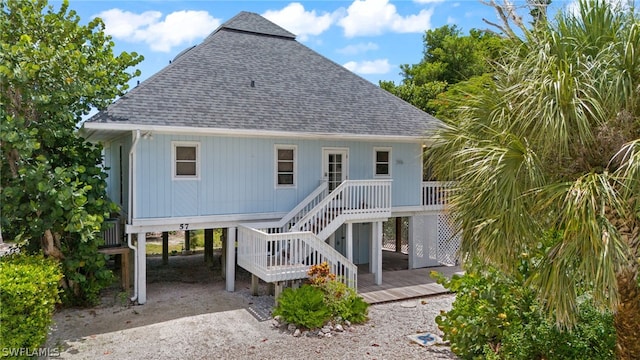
288 256
285 250
288 221
351 200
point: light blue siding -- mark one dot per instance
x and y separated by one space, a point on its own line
237 175
113 152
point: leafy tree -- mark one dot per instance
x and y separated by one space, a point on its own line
53 70
555 146
449 58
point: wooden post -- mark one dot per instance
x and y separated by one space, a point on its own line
208 245
254 285
398 234
279 286
223 255
187 241
231 259
165 248
142 268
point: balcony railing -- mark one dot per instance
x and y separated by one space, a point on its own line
435 194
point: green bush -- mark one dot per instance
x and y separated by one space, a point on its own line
496 316
303 307
325 296
85 272
28 294
344 302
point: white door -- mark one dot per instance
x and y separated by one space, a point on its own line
335 166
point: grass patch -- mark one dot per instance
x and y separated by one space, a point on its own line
156 249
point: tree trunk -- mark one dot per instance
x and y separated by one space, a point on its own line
50 246
627 316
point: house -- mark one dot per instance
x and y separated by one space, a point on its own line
300 159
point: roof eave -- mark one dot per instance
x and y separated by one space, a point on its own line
91 130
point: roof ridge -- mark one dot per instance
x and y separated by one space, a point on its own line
253 23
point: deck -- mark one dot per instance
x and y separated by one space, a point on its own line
398 283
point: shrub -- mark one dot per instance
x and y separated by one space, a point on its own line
497 316
338 301
303 306
343 302
28 294
85 272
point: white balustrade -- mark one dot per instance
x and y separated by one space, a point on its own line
435 194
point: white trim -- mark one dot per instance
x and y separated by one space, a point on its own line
174 145
198 222
375 162
295 165
335 150
90 128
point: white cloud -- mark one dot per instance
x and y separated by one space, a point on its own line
451 20
177 28
358 48
380 66
573 7
373 17
295 19
428 1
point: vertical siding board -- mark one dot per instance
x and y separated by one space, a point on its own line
237 175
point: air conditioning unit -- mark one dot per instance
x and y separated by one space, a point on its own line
111 235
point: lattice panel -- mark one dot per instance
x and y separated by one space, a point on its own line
448 241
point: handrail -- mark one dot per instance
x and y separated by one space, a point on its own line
352 197
288 256
435 194
293 216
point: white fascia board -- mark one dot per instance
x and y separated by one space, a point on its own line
88 126
401 211
197 222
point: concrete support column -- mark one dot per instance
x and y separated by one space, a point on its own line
349 239
231 259
411 236
377 240
142 268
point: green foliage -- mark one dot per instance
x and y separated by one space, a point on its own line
304 306
497 315
28 295
449 58
338 300
343 302
53 70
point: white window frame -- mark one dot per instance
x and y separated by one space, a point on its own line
375 162
295 166
174 146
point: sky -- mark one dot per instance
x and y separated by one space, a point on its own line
372 38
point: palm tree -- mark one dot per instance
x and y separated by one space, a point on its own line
555 145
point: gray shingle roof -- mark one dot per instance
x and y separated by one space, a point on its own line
251 74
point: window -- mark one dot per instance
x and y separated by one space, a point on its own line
285 166
382 162
186 160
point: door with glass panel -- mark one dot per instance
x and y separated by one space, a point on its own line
335 165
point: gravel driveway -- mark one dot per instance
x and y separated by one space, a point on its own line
193 317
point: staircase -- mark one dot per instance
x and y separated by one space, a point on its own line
286 249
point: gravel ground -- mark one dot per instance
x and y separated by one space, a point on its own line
190 316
